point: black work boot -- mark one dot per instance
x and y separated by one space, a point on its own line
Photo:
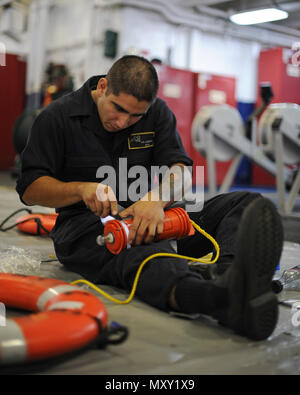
210 271
252 308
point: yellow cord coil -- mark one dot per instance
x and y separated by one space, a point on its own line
160 254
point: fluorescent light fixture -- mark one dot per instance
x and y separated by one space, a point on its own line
258 16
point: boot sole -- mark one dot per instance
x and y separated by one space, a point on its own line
259 249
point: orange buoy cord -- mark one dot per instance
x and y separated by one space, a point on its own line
36 224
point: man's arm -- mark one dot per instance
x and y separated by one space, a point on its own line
175 183
50 192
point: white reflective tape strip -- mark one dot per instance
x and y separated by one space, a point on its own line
106 219
13 348
67 304
125 227
50 292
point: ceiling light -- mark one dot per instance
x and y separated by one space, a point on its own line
258 16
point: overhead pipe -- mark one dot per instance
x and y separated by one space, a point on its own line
178 16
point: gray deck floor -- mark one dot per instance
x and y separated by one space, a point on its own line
159 343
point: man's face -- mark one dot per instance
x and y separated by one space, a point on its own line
117 112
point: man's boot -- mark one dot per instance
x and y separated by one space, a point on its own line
252 308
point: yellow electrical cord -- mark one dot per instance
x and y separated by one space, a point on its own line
160 254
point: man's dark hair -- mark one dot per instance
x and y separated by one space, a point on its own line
135 76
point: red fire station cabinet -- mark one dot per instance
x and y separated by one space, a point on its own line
12 97
212 89
276 66
176 87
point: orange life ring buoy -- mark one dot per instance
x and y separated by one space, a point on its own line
67 318
36 224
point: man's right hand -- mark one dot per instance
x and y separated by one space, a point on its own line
50 192
99 198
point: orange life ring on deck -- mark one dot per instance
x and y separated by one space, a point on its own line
37 224
67 319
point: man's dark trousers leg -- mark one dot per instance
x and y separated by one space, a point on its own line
75 235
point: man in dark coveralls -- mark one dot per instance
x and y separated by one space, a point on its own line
118 116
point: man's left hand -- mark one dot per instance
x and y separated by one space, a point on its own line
148 219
